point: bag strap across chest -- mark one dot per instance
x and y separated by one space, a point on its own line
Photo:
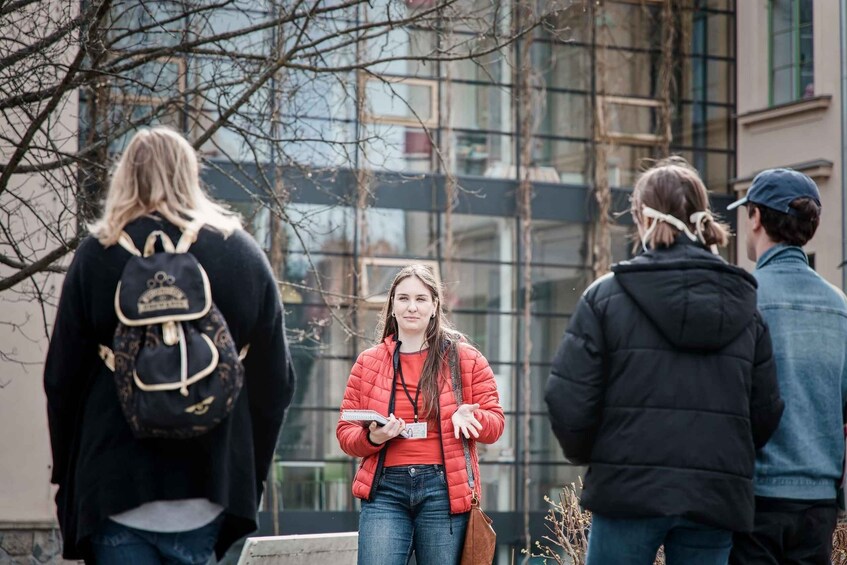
456 377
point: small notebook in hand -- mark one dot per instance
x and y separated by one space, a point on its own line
367 416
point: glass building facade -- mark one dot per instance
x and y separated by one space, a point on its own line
484 280
414 126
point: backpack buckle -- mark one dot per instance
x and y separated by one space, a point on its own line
170 335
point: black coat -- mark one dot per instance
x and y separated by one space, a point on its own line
664 385
100 467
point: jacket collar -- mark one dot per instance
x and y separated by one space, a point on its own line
782 253
390 342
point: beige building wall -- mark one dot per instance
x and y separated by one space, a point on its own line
38 214
805 134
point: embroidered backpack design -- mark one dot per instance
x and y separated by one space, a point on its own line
175 364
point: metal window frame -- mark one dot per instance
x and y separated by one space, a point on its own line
376 298
794 31
628 138
170 110
368 116
146 100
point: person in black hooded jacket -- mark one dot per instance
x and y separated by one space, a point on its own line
122 499
665 386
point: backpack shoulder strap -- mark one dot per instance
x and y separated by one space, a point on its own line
189 235
107 355
150 244
126 242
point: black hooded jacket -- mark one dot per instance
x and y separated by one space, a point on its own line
100 467
664 384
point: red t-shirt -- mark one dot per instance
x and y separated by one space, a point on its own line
403 451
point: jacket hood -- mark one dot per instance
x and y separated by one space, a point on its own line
695 299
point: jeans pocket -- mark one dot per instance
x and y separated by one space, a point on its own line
197 546
443 476
112 534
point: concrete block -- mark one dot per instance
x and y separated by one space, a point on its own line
316 549
47 546
16 542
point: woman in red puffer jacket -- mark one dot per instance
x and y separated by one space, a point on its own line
417 479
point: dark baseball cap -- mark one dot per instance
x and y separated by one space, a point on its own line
777 189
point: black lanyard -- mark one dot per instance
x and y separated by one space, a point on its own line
406 390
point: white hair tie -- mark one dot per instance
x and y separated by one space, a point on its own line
668 219
697 218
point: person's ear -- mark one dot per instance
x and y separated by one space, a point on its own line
755 219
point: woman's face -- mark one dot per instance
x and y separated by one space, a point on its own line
413 306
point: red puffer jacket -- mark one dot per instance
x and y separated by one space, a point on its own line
370 388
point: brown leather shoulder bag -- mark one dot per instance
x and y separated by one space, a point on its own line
480 537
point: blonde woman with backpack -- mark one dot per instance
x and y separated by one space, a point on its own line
130 495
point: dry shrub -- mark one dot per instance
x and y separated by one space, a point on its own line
568 524
839 544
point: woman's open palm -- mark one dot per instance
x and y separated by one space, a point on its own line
465 422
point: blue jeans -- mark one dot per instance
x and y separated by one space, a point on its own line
635 541
410 511
117 544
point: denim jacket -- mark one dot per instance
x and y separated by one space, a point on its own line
808 324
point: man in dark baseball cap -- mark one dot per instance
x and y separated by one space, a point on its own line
777 189
798 472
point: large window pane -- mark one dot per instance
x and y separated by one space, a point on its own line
401 234
484 238
478 153
487 64
633 25
711 34
398 148
478 106
783 85
498 484
699 125
563 65
409 48
494 334
782 12
625 163
567 160
309 435
318 228
556 291
401 101
713 168
566 115
504 373
707 80
548 480
322 367
783 50
791 50
307 485
630 73
559 243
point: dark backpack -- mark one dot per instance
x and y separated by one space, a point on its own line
176 367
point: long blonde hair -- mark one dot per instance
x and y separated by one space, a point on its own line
159 172
440 336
